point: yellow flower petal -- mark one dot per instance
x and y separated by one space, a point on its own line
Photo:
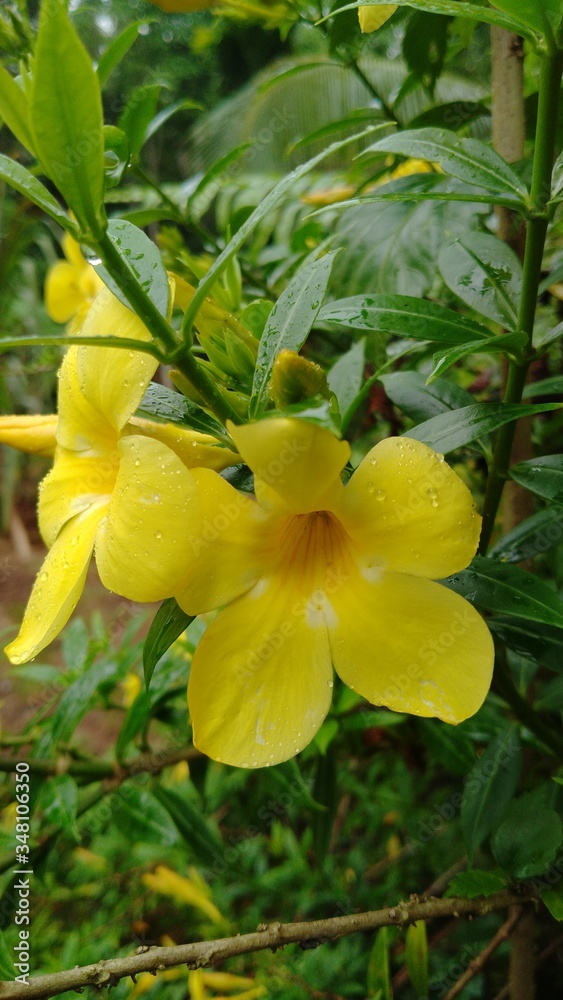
169 883
412 645
227 556
193 448
152 519
113 381
260 684
34 434
371 18
406 510
74 483
73 253
81 426
58 587
296 464
63 293
195 982
226 981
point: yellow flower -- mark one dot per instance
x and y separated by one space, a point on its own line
316 573
371 18
34 434
71 286
120 486
194 891
129 689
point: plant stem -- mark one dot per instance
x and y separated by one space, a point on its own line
179 354
536 229
522 710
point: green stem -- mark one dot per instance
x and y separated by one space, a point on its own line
9 343
536 230
179 354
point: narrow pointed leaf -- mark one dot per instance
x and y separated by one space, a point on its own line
486 274
168 623
143 259
469 160
66 118
489 787
419 401
508 590
23 181
117 49
346 376
289 322
405 315
543 476
456 8
533 536
14 109
213 180
505 344
454 430
194 828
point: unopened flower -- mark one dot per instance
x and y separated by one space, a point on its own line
71 286
120 486
314 574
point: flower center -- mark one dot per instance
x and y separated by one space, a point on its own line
313 552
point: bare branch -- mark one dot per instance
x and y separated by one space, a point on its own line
205 953
479 962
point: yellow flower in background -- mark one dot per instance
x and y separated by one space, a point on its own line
71 286
371 18
120 487
314 574
129 688
193 891
36 435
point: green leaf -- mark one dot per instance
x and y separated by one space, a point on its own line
508 590
456 8
379 977
454 430
117 49
138 113
425 186
454 115
467 159
533 536
403 315
23 181
194 828
528 838
346 376
363 116
476 882
169 405
160 119
486 274
14 109
535 641
489 787
543 476
416 957
553 899
140 817
506 344
77 699
143 259
66 118
168 623
135 720
419 401
6 960
542 15
58 800
325 792
547 386
289 323
213 180
449 743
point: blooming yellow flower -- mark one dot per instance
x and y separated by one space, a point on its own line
371 18
71 286
120 486
316 573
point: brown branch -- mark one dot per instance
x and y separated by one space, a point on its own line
478 963
543 956
204 953
152 762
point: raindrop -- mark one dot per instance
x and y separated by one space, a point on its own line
381 495
370 487
158 534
